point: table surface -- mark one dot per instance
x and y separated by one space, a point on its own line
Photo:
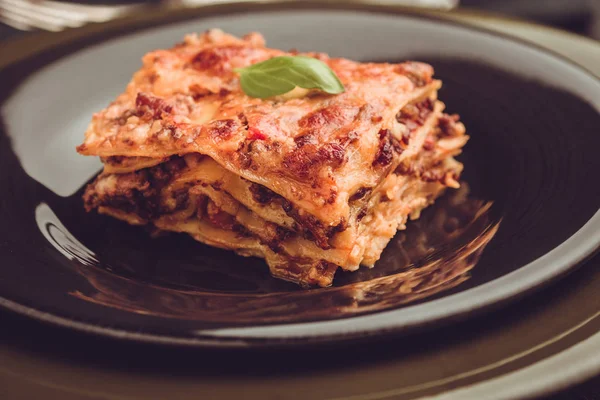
16 331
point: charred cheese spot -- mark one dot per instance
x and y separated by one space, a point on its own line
306 160
217 59
222 129
388 144
150 107
418 73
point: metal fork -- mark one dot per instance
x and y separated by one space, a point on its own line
52 15
55 16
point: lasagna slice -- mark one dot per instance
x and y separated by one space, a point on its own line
310 182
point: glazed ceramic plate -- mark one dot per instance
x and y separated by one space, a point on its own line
526 214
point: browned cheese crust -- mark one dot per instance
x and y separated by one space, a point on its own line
309 181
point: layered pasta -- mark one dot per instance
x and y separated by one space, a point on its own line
309 181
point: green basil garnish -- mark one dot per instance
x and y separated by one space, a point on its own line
281 75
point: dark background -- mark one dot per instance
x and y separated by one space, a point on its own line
578 16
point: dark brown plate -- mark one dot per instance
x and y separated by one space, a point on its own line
527 212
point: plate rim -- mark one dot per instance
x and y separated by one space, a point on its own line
212 341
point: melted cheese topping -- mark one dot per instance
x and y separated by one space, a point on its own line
188 100
309 181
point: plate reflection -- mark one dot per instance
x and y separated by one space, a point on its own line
435 253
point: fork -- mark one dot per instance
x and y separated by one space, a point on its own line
52 15
56 16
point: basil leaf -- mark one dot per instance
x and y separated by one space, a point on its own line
280 75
